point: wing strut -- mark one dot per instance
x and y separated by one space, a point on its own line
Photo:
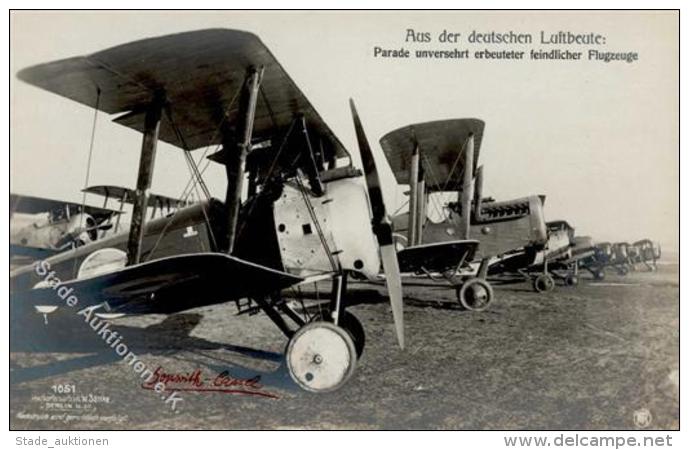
467 186
143 182
478 194
420 205
236 157
413 196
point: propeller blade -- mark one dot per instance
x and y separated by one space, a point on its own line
394 284
382 227
375 191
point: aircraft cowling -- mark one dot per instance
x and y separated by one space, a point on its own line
343 221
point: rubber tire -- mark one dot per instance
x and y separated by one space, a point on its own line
543 283
463 291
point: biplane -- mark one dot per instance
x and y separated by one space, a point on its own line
648 253
568 253
620 258
583 249
41 227
310 214
439 162
158 205
599 260
555 260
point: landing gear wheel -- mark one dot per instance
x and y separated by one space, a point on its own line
599 275
320 357
571 280
623 270
475 295
349 322
543 283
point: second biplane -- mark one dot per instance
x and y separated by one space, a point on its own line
41 227
439 162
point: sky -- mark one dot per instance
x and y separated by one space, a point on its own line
601 140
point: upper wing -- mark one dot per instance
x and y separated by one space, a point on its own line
27 204
126 194
440 144
167 285
201 73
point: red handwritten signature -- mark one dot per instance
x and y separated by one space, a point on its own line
195 381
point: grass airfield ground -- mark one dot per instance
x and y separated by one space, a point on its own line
588 357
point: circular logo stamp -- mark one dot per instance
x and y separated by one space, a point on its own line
642 418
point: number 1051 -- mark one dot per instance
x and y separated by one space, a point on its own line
63 388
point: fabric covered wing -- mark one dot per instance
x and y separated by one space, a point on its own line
437 257
440 144
201 74
166 285
26 204
119 192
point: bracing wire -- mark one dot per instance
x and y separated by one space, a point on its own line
193 187
196 175
432 198
190 160
454 166
186 192
88 162
406 202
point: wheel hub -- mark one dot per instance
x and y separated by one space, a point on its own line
478 295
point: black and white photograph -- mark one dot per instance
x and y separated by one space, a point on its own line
344 220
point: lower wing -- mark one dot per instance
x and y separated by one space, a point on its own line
436 257
164 286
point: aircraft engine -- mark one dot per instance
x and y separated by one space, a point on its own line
80 230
